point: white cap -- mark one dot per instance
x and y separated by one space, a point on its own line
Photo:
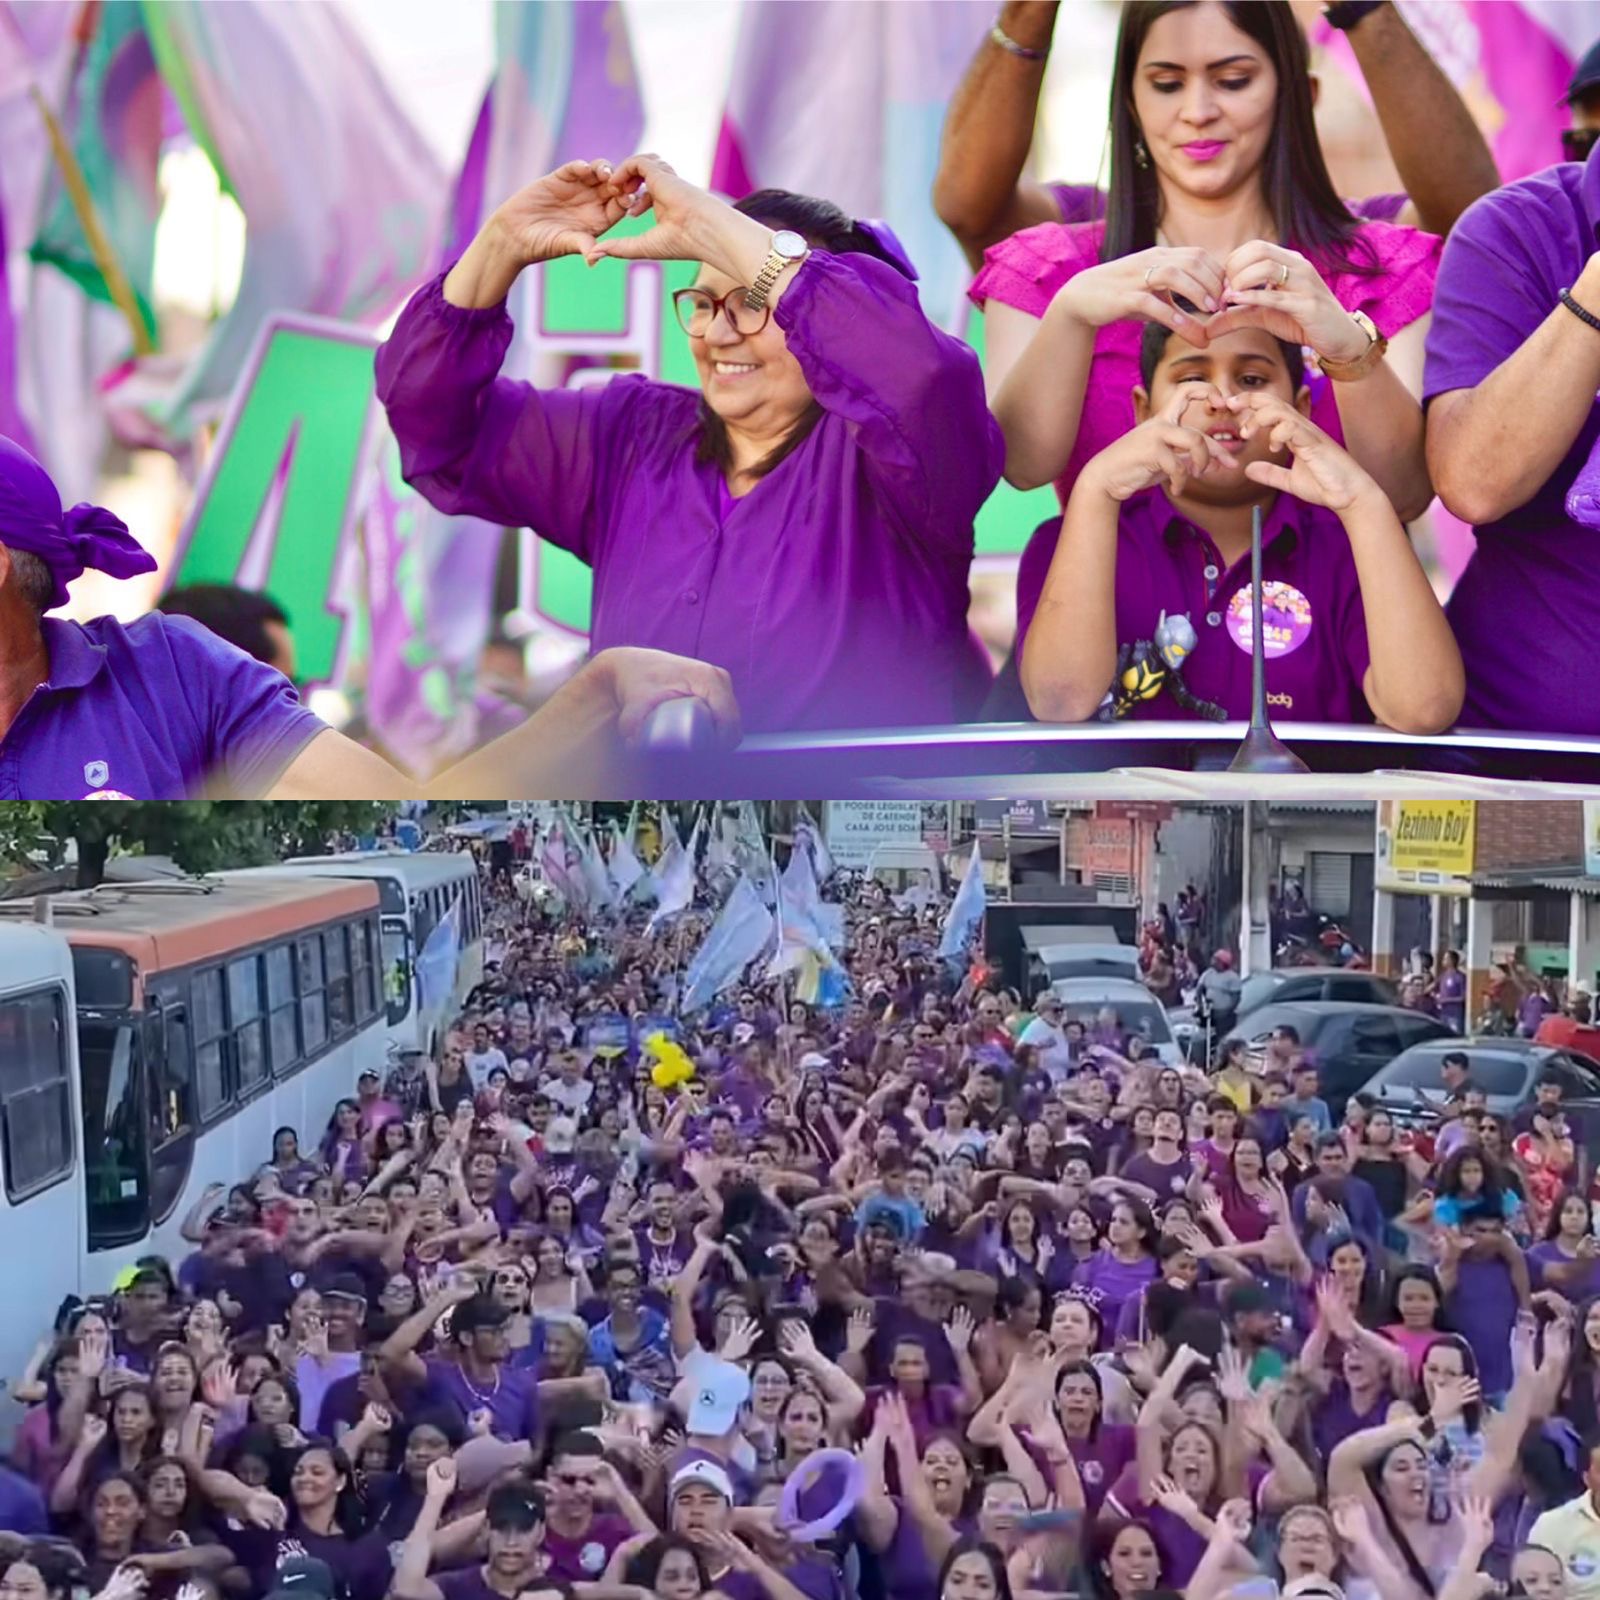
814 1061
703 1472
560 1134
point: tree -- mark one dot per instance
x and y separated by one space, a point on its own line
200 835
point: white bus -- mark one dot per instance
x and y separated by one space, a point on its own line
416 890
208 1014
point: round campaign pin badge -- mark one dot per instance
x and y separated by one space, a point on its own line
593 1558
1285 618
108 794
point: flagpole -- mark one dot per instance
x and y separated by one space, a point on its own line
105 258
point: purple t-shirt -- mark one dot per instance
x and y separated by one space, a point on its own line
151 710
583 1560
835 592
1314 621
1483 1310
1336 1418
1548 1254
1100 1461
512 1401
1165 1180
1517 611
1105 1282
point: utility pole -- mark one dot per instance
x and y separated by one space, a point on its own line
1255 927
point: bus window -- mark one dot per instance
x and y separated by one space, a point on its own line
283 1009
171 1108
361 969
114 1125
313 1000
209 1025
35 1095
336 960
247 1023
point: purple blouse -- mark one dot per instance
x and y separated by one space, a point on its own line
834 593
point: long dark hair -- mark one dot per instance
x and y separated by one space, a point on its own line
1294 177
824 227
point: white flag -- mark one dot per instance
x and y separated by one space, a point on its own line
738 936
966 910
674 878
624 868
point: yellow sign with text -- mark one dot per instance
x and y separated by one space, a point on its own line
1426 846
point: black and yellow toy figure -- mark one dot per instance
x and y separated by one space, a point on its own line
1148 666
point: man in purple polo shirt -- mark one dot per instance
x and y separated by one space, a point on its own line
1158 528
162 709
1513 421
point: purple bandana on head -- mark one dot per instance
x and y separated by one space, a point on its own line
69 542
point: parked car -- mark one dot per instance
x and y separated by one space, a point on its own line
1279 986
1411 1088
1138 1011
1349 1042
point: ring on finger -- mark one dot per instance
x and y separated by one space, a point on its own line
1147 272
1283 273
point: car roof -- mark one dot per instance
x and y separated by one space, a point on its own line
1109 988
1488 1045
1335 1008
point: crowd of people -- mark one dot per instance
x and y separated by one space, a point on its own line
936 1294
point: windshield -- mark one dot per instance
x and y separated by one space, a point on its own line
115 1161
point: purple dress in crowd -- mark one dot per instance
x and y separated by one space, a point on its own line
834 593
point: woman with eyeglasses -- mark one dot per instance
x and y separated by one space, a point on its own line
803 521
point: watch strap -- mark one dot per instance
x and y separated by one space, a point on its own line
1358 366
771 269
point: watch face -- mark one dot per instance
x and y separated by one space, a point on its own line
789 244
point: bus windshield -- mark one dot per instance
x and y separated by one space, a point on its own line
114 1132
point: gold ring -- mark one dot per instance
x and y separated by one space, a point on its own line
1283 273
1147 272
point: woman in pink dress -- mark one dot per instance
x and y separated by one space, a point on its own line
1219 197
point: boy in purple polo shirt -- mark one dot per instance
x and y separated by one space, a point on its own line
1158 526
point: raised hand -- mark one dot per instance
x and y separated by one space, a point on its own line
1234 1521
1233 1376
219 1384
1146 287
94 1351
796 1342
441 1478
562 214
741 1339
1169 449
1320 471
1451 1396
1475 1516
92 1434
1272 287
645 183
1350 1521
125 1583
1170 1497
959 1330
859 1330
377 1418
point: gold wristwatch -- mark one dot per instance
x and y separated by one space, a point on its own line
787 249
1351 371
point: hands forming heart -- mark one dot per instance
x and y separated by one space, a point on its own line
1259 285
